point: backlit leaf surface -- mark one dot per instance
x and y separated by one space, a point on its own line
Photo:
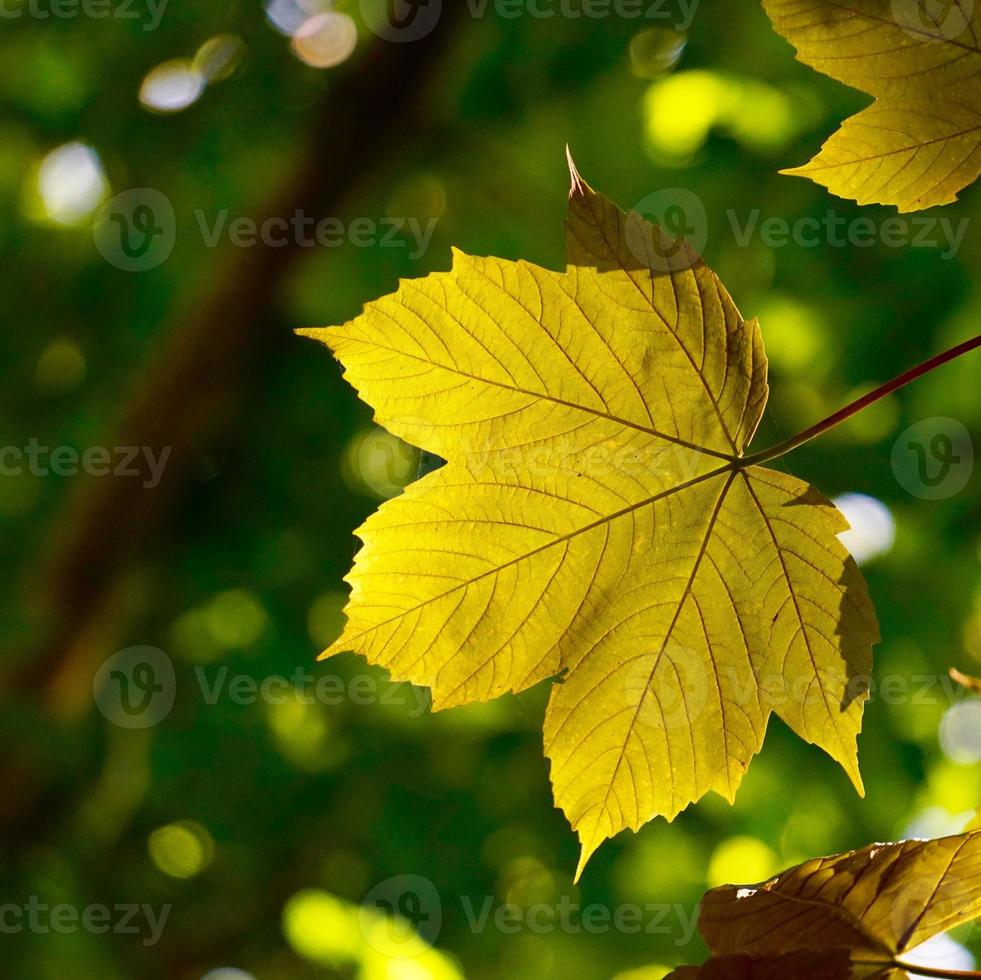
847 917
919 143
594 521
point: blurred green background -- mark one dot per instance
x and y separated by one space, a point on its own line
265 821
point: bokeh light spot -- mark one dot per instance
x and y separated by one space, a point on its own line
303 733
656 51
425 964
172 86
796 338
682 109
527 956
326 40
421 196
288 16
323 929
739 860
812 826
233 620
60 368
873 528
960 732
525 881
236 619
71 184
954 787
665 858
940 953
762 118
181 850
219 56
934 822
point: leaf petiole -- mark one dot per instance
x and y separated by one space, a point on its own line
856 406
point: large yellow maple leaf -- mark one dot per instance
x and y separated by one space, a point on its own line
919 143
597 521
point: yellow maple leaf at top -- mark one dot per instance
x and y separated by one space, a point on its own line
596 520
919 143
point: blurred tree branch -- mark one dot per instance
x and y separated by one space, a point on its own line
189 393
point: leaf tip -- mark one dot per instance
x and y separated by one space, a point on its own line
323 335
578 185
588 850
340 645
331 337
